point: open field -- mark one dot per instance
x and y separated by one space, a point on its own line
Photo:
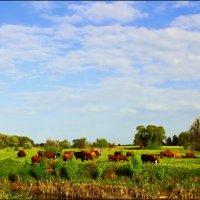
170 177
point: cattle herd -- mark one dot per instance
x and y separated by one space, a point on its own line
93 154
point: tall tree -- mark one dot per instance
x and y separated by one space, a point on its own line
169 141
80 143
151 136
175 140
184 139
102 142
194 133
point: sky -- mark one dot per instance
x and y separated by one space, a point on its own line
98 69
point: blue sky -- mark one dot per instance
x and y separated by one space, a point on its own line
98 69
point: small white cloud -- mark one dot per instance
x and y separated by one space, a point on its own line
188 22
180 4
42 6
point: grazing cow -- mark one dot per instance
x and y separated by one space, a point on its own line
129 154
117 153
167 154
67 156
49 155
80 155
190 155
36 159
39 153
112 157
21 153
149 158
99 152
177 155
121 157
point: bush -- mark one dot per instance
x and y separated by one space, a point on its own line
38 171
134 166
70 170
99 171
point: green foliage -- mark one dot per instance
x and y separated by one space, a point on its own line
27 145
160 172
150 136
16 148
65 144
24 172
80 143
70 170
102 143
134 166
194 133
52 148
38 171
99 171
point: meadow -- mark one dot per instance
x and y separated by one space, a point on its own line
177 178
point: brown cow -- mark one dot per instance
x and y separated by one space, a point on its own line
117 153
79 155
39 153
36 159
167 154
49 155
67 156
149 158
129 154
190 155
112 157
121 157
21 153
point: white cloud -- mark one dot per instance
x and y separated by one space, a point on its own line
42 6
188 22
99 12
180 4
102 11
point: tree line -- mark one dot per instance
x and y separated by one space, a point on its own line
153 137
150 137
14 140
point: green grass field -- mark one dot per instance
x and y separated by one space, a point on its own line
10 163
170 176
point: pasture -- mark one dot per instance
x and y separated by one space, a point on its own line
170 177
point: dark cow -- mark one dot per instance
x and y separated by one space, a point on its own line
39 153
121 157
112 157
80 155
190 155
21 153
117 153
49 155
129 154
67 156
167 154
149 158
36 159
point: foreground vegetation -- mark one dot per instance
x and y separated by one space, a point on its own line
174 178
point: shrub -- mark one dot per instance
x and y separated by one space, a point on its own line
38 171
70 170
99 171
134 166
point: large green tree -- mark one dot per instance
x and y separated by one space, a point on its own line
102 142
194 133
80 143
150 136
184 139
